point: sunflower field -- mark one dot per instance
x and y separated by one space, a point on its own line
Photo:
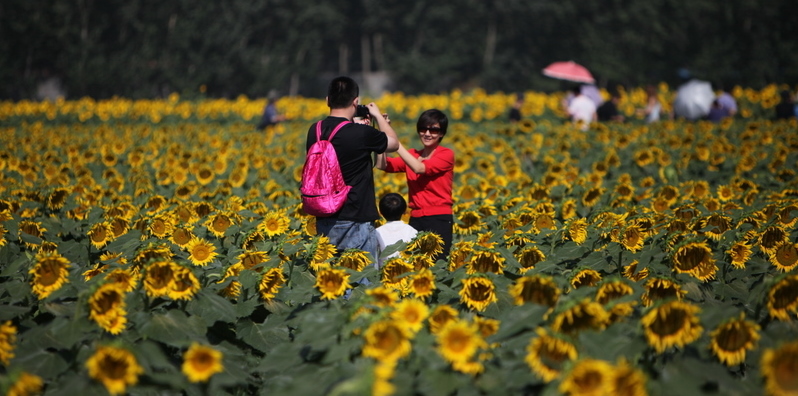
159 247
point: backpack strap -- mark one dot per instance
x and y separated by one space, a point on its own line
337 128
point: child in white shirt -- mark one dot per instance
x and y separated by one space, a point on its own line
392 207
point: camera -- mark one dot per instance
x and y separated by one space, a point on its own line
361 111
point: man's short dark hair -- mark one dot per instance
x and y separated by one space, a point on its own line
392 206
341 92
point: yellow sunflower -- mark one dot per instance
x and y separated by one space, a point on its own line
116 368
107 308
49 273
585 277
591 197
459 341
395 273
441 315
182 235
537 289
161 225
771 238
25 384
478 292
274 224
585 314
422 284
270 283
152 251
322 250
783 298
731 340
695 258
576 230
484 261
382 297
8 337
589 377
528 257
218 223
332 283
547 355
780 369
785 256
201 362
100 234
31 228
410 313
184 283
461 252
628 381
427 243
630 271
673 323
354 259
387 340
201 252
739 253
468 222
661 289
159 278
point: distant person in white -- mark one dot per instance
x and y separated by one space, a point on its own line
582 109
392 207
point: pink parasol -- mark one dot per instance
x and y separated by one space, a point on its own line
569 71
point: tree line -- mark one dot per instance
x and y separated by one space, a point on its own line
148 48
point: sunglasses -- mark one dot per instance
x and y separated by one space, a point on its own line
431 130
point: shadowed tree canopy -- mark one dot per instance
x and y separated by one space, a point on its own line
147 48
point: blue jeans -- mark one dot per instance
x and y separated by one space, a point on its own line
346 234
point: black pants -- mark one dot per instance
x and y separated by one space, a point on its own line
439 224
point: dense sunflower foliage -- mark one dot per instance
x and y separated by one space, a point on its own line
158 247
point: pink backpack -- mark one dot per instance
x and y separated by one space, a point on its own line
323 189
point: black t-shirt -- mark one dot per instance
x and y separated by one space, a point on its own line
607 111
354 145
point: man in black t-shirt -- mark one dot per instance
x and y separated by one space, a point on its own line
352 227
608 111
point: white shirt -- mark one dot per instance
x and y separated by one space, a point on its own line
392 232
582 109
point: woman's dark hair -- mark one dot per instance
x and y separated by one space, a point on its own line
433 116
341 92
392 206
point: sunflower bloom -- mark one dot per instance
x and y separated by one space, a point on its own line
585 277
528 257
201 252
387 340
478 292
274 224
785 256
201 362
354 259
459 341
116 368
422 284
159 278
8 337
411 314
332 283
218 224
270 283
459 255
589 377
627 381
630 271
484 261
382 297
546 355
427 243
584 315
26 384
441 315
731 340
323 250
783 298
124 278
537 289
100 234
184 283
780 369
395 273
49 273
674 323
576 230
739 253
107 308
695 258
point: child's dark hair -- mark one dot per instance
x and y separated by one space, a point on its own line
392 206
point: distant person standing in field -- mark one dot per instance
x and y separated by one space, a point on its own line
270 114
582 109
726 101
786 109
608 111
352 227
515 111
653 105
430 175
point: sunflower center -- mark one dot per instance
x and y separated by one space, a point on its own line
733 338
670 322
388 339
202 362
49 273
108 301
457 341
201 252
785 296
115 369
786 370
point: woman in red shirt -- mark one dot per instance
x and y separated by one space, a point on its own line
430 174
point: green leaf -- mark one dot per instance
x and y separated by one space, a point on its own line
211 307
173 328
263 337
